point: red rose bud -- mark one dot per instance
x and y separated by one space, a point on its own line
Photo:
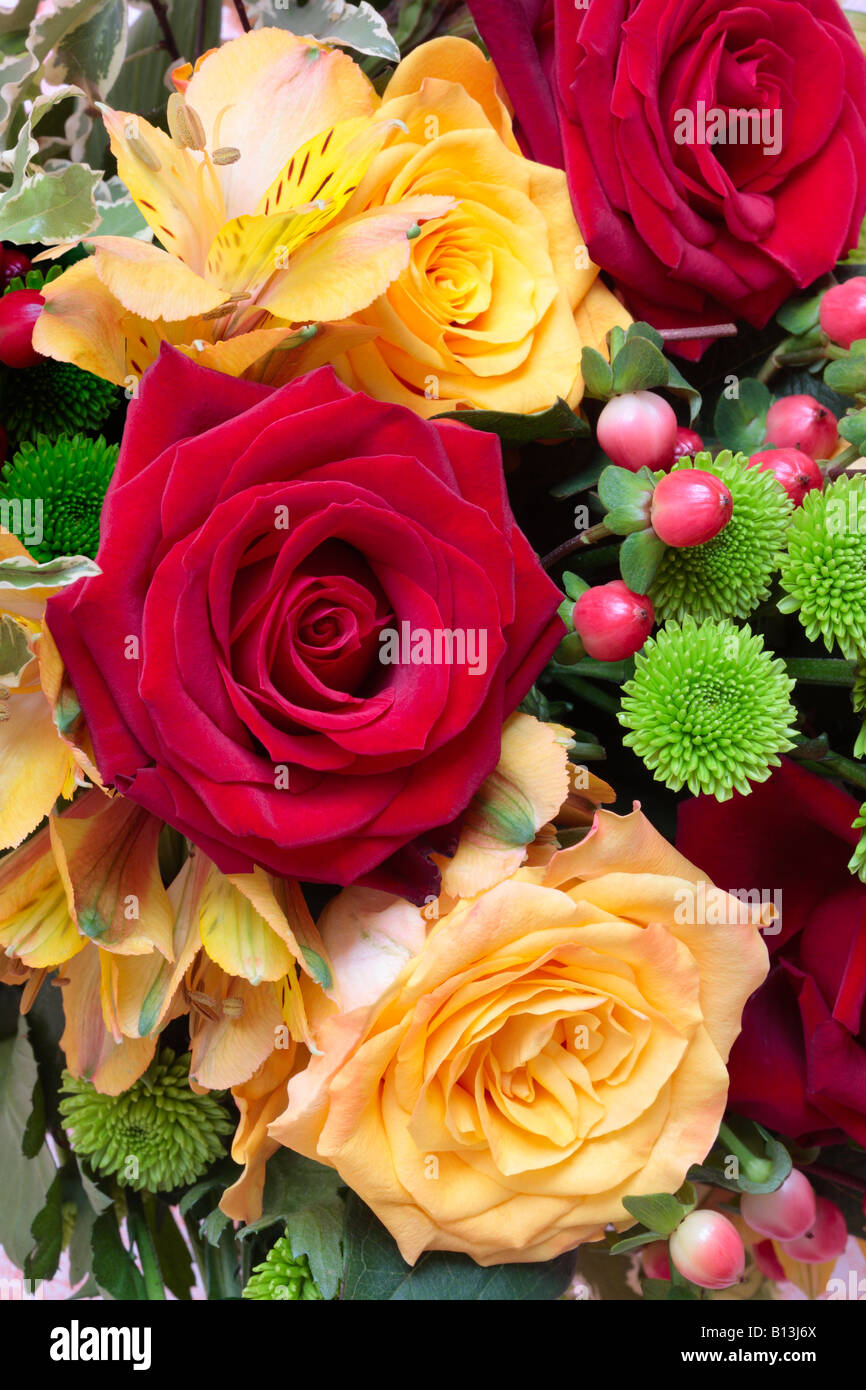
638 430
612 622
801 422
689 507
655 1260
825 1240
686 445
843 312
794 470
708 1250
785 1214
13 263
19 311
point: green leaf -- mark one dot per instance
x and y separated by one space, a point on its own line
34 1132
597 374
358 27
622 1247
14 648
570 649
646 330
51 207
118 214
639 558
799 316
740 424
213 1225
141 85
175 1262
639 366
114 1269
605 1274
578 482
853 428
678 386
47 1231
26 1181
566 612
559 421
317 1232
91 51
622 521
18 572
762 1146
292 1182
616 340
375 1271
620 487
573 585
660 1213
847 375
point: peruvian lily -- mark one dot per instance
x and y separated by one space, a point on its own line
255 264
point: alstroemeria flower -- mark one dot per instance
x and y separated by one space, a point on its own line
267 145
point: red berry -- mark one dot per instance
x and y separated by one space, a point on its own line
796 471
612 622
19 310
689 507
638 431
843 311
801 422
785 1214
707 1249
655 1260
13 263
686 445
825 1240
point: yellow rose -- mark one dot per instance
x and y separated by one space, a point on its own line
543 1050
499 297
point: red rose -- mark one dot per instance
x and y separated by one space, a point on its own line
694 233
799 1064
260 548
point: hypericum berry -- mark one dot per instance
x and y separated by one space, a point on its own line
795 470
801 422
638 430
612 622
785 1214
19 311
843 312
707 1249
686 444
826 1238
689 507
655 1260
13 264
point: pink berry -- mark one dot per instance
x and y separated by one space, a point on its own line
801 422
794 470
655 1260
706 1248
825 1240
843 312
689 507
638 430
612 622
785 1214
19 310
686 445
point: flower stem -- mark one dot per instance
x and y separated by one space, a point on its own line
243 16
756 1169
160 9
821 670
138 1230
586 690
589 537
834 765
712 330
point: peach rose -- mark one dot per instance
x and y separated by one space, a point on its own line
497 1080
500 296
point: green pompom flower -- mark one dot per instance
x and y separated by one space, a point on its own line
61 485
730 575
156 1136
708 707
54 398
857 862
824 571
283 1275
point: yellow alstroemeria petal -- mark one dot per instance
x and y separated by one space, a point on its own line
351 263
314 349
236 935
34 763
328 168
281 904
88 1045
234 1025
80 323
35 925
259 1100
107 856
265 94
247 251
150 282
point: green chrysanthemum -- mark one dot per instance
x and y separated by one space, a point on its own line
728 576
156 1136
60 485
857 862
824 571
708 707
283 1275
54 398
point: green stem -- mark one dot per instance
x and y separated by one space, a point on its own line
616 671
839 464
138 1230
821 670
834 765
587 691
756 1169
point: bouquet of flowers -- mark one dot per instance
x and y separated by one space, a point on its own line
433 649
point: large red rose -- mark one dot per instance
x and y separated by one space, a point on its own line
257 547
693 233
799 1064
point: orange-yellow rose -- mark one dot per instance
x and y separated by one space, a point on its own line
499 296
541 1051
